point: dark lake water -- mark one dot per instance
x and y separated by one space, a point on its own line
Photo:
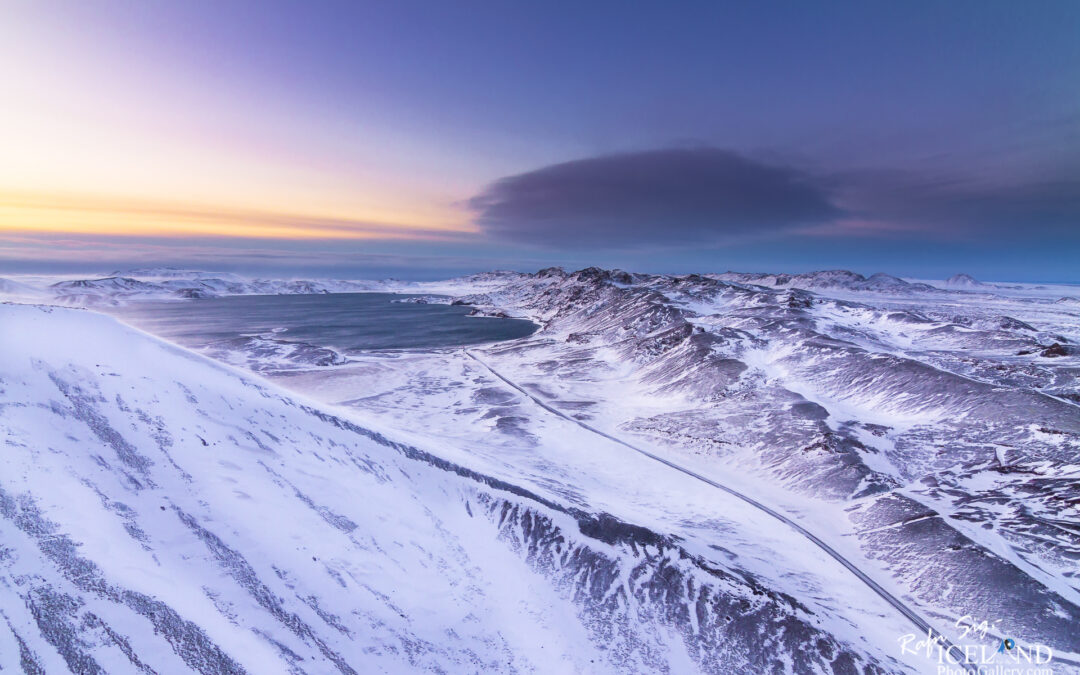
341 321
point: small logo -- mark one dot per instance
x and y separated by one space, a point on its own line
978 649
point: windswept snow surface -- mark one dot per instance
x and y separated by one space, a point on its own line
926 433
163 513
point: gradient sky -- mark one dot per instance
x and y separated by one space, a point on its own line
426 139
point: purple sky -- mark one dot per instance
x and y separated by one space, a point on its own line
424 139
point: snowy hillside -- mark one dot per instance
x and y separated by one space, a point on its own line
828 279
945 426
123 289
715 473
934 436
162 513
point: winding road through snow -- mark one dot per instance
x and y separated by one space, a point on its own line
922 624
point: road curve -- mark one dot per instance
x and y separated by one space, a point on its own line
923 626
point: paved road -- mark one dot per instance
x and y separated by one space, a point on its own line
923 626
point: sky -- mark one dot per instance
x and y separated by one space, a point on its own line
425 139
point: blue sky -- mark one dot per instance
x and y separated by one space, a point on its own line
422 139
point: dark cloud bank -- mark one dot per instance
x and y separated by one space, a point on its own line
677 195
714 196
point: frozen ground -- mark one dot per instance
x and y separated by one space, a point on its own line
927 433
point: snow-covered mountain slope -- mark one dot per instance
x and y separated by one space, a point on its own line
160 513
165 283
930 435
827 279
124 289
961 280
935 433
21 291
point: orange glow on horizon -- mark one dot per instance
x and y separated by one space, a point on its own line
67 214
97 144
